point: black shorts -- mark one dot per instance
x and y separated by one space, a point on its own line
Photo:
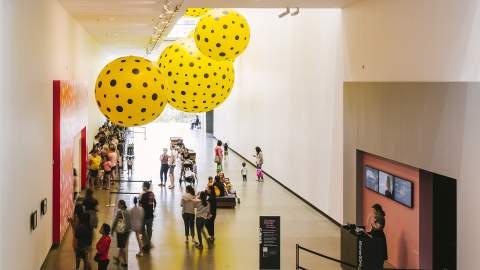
81 253
93 173
122 240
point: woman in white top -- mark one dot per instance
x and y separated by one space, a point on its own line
259 162
172 159
203 214
137 216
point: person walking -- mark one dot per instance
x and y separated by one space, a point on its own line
188 212
219 156
103 246
163 167
210 224
171 169
84 237
90 205
244 171
148 203
203 214
259 163
121 226
137 217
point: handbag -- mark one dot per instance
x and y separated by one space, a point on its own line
217 159
97 257
121 225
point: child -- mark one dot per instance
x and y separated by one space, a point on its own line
103 245
225 150
244 171
76 185
130 166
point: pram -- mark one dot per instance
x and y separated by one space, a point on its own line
190 176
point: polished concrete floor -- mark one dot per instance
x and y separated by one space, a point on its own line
236 245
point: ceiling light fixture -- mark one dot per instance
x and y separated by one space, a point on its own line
285 13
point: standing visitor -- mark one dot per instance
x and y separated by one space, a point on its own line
137 217
212 200
171 169
164 167
225 150
219 187
130 167
107 174
244 171
113 158
84 236
188 212
90 205
219 156
121 226
203 214
103 246
148 203
93 166
76 185
259 163
378 243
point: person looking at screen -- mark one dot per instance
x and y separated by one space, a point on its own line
389 190
377 247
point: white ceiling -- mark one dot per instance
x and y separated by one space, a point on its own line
127 24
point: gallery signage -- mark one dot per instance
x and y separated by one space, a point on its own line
269 242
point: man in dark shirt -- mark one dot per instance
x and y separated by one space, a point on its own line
148 203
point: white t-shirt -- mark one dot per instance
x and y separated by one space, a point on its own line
244 170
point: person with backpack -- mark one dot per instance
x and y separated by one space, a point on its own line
103 246
148 203
137 217
90 205
121 226
83 235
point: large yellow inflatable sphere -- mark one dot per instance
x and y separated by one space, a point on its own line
195 83
196 12
222 34
130 91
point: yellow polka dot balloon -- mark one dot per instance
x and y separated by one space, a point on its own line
130 91
196 12
195 83
222 34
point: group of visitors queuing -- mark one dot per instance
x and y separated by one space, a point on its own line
167 168
106 156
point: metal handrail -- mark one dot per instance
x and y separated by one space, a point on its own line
298 248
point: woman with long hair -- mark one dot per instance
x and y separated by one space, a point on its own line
203 214
121 226
188 212
259 162
378 244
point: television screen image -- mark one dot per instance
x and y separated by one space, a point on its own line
371 178
385 184
403 191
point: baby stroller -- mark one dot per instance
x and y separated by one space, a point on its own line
190 176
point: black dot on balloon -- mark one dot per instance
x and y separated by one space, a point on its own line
108 72
204 27
161 104
214 95
205 75
176 50
154 79
136 60
237 52
174 82
198 37
123 61
218 45
194 93
181 65
108 109
174 100
129 117
183 93
135 71
119 109
121 69
214 73
121 122
130 101
145 84
204 101
117 96
187 83
209 64
154 96
143 110
144 96
241 25
170 73
149 69
208 86
184 102
195 107
99 104
191 64
105 95
143 119
237 37
212 31
153 114
129 85
224 76
194 75
99 84
222 54
225 26
113 83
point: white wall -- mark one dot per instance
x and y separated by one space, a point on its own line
40 42
433 40
287 99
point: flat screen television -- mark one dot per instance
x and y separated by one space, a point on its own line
371 178
403 192
385 184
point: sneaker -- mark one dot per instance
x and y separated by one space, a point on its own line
170 187
139 254
198 246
